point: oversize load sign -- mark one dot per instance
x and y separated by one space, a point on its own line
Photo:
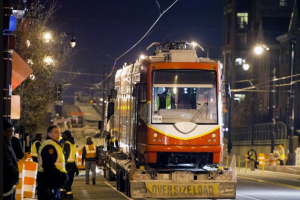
182 190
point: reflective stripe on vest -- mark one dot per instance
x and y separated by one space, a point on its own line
72 154
281 153
34 152
90 151
60 161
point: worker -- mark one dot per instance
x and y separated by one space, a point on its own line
281 154
252 156
90 156
165 100
52 174
69 149
10 166
35 147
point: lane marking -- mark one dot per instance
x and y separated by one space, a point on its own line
273 183
118 191
247 196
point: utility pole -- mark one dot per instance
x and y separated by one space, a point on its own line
291 154
8 47
103 92
274 111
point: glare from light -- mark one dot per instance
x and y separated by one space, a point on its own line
29 61
174 90
47 37
48 60
32 76
246 66
194 44
101 99
142 57
258 50
27 43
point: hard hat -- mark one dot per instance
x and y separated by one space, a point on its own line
280 146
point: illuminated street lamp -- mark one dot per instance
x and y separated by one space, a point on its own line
47 37
48 60
259 49
72 41
246 66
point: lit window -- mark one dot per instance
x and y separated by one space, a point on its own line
242 19
283 3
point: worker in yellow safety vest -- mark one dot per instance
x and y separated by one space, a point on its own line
165 100
281 154
35 147
252 156
90 156
52 174
69 149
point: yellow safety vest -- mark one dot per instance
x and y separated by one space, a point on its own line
34 152
72 155
90 151
60 161
281 153
252 155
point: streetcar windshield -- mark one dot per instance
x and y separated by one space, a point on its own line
184 96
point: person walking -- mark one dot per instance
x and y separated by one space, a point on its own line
69 149
90 156
52 174
35 147
281 154
252 156
10 165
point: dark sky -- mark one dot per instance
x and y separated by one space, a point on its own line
111 27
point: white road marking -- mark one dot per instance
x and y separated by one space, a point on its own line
247 196
118 191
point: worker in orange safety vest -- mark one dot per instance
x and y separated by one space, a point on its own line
90 156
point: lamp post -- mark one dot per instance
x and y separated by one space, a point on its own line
291 154
72 41
258 50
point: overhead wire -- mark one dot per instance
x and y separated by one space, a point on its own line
115 62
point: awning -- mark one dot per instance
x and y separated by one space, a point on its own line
20 70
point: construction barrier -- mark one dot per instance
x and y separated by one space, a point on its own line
267 160
261 159
79 159
30 178
20 186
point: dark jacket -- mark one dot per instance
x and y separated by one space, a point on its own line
84 153
17 147
51 177
70 167
10 166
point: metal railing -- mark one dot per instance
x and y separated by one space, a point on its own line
241 136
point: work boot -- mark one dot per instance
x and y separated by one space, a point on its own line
94 181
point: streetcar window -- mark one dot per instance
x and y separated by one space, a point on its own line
184 95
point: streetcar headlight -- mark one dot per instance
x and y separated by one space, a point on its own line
209 140
154 140
155 135
213 135
159 139
214 140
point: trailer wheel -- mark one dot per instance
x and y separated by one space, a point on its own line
108 174
127 184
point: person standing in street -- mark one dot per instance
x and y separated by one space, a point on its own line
252 156
69 148
89 155
10 165
52 174
281 154
35 147
17 147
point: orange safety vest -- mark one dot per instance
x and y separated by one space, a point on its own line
90 151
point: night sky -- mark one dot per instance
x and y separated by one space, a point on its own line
105 29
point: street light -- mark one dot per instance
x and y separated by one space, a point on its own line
72 41
258 50
246 66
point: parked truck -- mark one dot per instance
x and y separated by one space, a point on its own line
164 127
